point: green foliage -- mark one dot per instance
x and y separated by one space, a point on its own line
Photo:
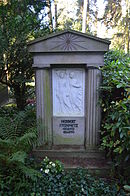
19 23
80 182
127 188
116 18
14 123
51 182
48 166
115 105
56 181
8 111
17 136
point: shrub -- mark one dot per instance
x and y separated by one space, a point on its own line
51 182
115 108
17 135
56 181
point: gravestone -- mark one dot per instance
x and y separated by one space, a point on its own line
67 66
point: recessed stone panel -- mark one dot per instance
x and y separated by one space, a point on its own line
68 130
68 91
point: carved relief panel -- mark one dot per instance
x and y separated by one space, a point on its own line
68 91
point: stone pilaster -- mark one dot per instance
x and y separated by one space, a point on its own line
44 107
92 107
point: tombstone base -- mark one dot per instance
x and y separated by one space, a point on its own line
91 159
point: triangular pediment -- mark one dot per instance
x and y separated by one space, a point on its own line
68 41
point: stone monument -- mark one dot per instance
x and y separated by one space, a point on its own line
67 66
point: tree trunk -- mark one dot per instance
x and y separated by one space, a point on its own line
55 17
127 28
50 15
96 18
88 15
19 93
84 22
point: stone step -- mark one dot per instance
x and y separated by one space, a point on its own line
91 159
69 153
74 162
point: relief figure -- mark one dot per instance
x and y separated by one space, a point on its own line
69 91
75 92
62 92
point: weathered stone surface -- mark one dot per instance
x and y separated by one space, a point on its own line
69 41
93 113
91 159
93 59
68 131
44 106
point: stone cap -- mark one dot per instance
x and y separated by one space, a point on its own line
68 41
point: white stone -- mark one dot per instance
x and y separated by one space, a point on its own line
68 91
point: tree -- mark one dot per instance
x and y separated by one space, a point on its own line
90 16
66 13
70 15
20 21
116 20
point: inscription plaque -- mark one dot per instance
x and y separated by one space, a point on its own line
68 130
68 126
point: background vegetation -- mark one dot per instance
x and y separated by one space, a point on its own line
116 109
22 21
25 20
